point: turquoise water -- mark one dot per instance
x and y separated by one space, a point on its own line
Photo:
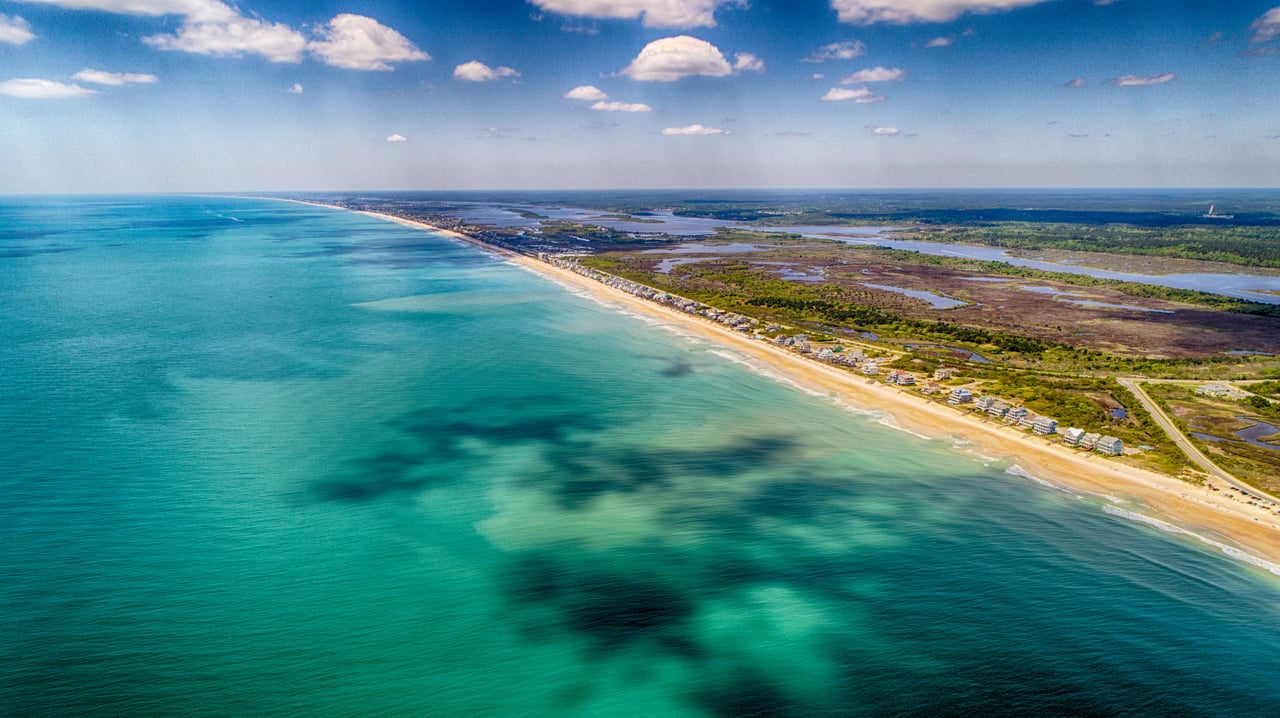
268 459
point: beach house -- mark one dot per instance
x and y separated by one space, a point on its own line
985 402
901 378
943 373
1110 446
1090 441
870 367
960 396
1072 436
1044 426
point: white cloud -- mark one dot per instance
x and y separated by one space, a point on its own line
1075 83
901 12
42 89
193 10
695 129
939 42
356 42
295 89
1266 27
838 51
818 76
672 58
885 131
873 74
479 72
1142 80
860 95
114 79
656 13
235 37
603 106
15 31
211 27
746 62
397 138
586 93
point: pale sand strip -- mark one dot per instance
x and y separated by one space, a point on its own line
1196 509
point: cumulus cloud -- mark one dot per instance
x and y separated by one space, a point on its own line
1142 80
233 37
357 42
42 89
212 27
603 106
15 31
586 93
695 129
672 58
656 13
295 89
1075 83
885 131
838 51
1266 27
114 79
860 95
746 62
873 74
939 42
901 12
479 72
397 138
195 10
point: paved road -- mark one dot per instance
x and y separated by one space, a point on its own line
1183 442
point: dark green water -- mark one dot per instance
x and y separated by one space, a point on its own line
266 459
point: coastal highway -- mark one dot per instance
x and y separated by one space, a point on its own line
1183 442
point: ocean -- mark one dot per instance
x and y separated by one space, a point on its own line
261 458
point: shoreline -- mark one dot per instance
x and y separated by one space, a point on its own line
1169 504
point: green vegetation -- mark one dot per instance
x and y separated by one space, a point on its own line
733 286
1220 419
1248 246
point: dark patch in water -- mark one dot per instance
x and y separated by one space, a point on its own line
446 436
750 695
615 610
597 470
678 367
379 476
798 500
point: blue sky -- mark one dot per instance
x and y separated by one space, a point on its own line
202 95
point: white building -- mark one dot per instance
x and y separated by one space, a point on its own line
1111 446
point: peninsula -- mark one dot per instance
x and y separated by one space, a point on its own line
1241 519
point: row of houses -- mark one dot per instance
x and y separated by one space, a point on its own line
1109 445
1023 418
1016 415
729 319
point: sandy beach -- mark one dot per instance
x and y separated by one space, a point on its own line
1178 505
